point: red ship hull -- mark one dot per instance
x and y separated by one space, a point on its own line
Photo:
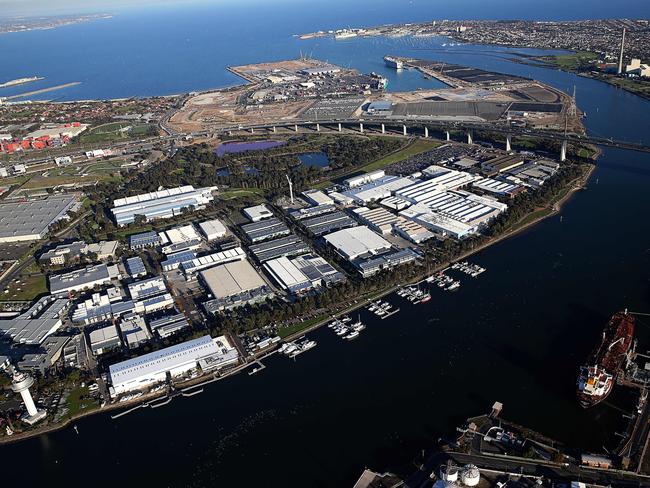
596 379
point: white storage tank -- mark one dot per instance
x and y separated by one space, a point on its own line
449 472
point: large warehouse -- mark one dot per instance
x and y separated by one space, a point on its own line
357 242
380 188
148 369
302 273
32 327
83 279
233 284
161 204
31 220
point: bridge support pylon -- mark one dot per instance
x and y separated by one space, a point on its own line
470 137
340 128
563 151
252 130
426 132
317 127
360 127
383 129
404 130
295 127
274 129
448 135
508 143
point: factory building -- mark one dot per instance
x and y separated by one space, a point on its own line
501 163
104 250
306 213
363 179
33 326
378 189
233 284
213 229
395 203
276 248
445 178
324 224
144 240
535 174
50 351
499 188
140 290
173 261
83 279
257 213
135 267
265 229
31 220
100 307
64 253
303 273
438 223
134 331
412 231
372 265
104 339
169 324
214 259
317 197
357 242
149 369
161 204
429 190
378 219
183 238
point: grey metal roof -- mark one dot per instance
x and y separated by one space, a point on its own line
32 217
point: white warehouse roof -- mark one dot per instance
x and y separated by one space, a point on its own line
213 229
357 241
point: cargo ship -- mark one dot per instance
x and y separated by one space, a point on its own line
392 62
344 34
20 81
596 379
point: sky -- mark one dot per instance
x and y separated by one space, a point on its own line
13 8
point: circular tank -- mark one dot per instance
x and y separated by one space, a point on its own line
449 473
470 475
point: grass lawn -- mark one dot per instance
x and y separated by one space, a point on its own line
575 61
76 404
241 192
28 287
114 132
295 328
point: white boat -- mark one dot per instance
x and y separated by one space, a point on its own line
307 345
453 286
352 335
342 331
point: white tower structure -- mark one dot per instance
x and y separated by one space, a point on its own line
620 58
20 384
290 189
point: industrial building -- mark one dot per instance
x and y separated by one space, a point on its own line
182 238
34 325
364 178
535 174
440 180
234 284
330 222
144 240
302 273
372 265
438 223
168 325
265 229
357 242
31 220
317 197
501 163
134 330
276 248
140 290
378 219
305 213
380 188
257 213
100 307
161 204
395 203
104 339
214 259
104 250
135 267
148 369
63 253
412 231
213 229
173 261
83 279
497 187
49 352
58 132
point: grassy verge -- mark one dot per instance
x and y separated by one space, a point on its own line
580 60
28 287
241 192
295 328
78 402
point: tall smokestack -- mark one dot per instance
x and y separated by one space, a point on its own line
620 58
